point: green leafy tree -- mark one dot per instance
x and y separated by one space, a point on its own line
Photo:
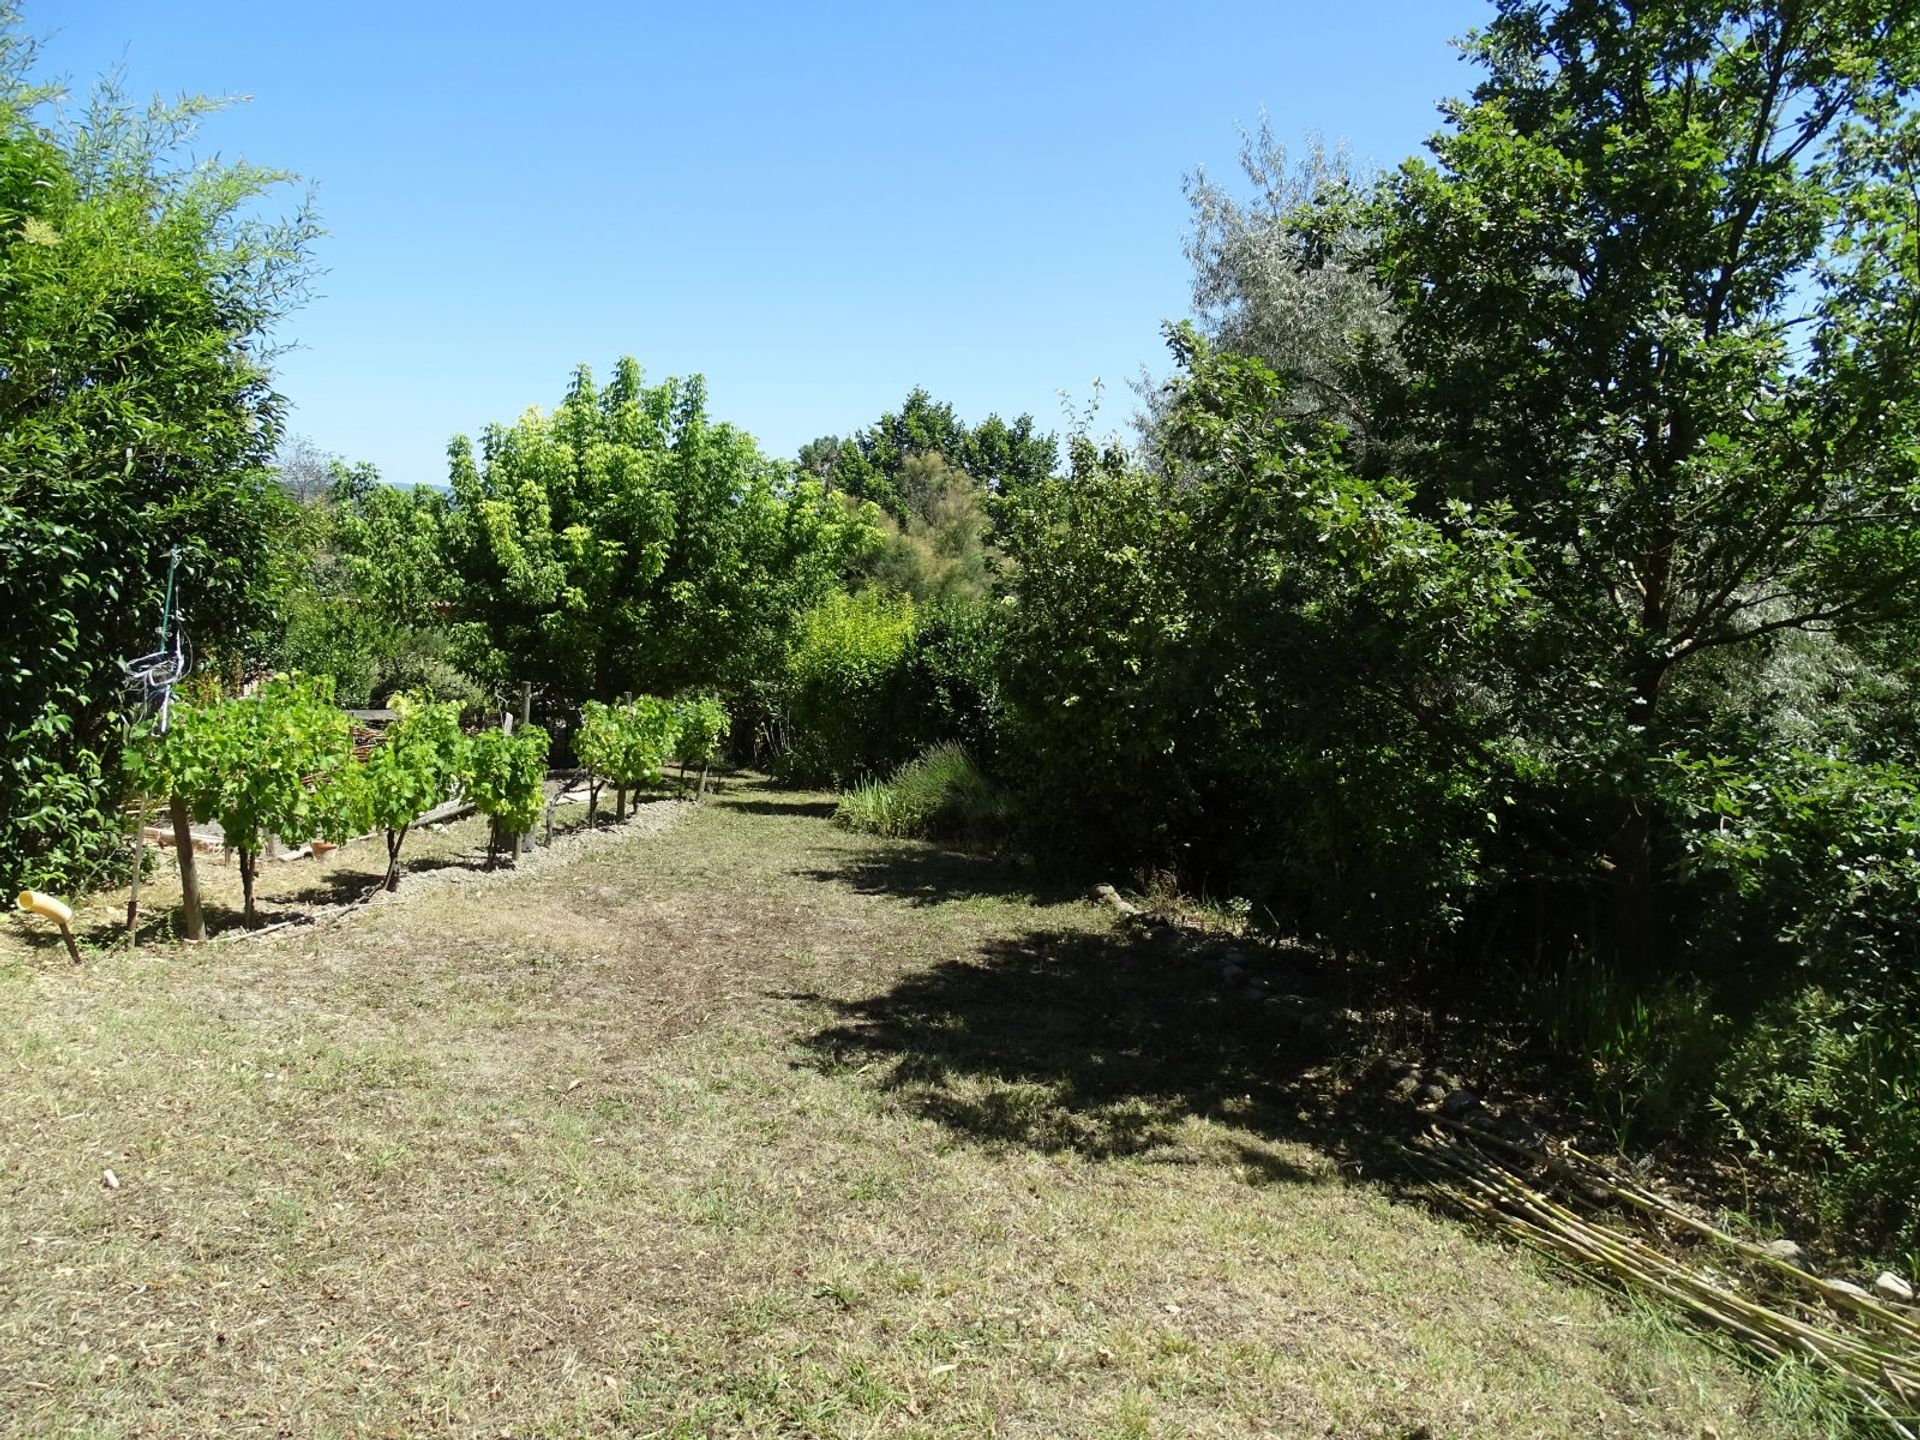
368 608
1259 666
137 286
506 779
872 463
417 765
1275 278
941 552
256 765
1657 296
627 540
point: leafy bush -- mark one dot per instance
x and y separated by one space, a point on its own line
257 765
701 723
939 793
627 744
847 696
417 765
953 679
506 779
1260 667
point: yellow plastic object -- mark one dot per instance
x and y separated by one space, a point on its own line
47 907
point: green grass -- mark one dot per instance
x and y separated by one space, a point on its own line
939 794
750 1126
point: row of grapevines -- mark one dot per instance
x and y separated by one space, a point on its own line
630 744
281 762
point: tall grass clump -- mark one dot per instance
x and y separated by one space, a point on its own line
939 794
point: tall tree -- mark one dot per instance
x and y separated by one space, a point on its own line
870 464
1657 294
628 541
137 415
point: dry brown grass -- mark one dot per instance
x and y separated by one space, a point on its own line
741 1126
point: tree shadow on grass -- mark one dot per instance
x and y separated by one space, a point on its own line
924 874
1102 1045
340 887
811 809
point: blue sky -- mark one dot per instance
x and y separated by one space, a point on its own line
818 207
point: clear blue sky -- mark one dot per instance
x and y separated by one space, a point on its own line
816 206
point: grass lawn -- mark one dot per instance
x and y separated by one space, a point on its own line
731 1123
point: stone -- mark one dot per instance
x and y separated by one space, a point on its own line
1893 1287
1449 1079
1784 1250
1430 1093
1114 900
1407 1086
1459 1102
1231 975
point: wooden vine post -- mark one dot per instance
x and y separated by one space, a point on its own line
526 718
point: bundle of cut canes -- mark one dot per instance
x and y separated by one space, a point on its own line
1870 1349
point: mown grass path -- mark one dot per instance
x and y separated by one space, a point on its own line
744 1127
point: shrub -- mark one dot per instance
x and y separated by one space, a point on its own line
256 765
627 744
847 687
506 778
939 793
701 723
416 767
1823 1094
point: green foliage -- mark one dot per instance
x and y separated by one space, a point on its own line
365 611
256 765
700 725
940 552
873 465
136 285
506 780
846 691
1656 298
626 538
1823 1094
1261 666
417 765
953 678
939 794
1615 671
627 744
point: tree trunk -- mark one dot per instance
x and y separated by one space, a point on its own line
703 782
620 807
1637 938
395 839
246 887
193 920
593 797
493 843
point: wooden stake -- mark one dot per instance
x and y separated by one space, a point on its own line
526 718
133 889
